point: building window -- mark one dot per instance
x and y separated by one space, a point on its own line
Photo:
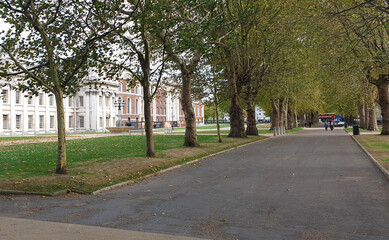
136 89
107 123
80 102
101 101
136 106
51 100
4 95
41 99
71 122
17 97
18 119
128 105
29 97
101 122
41 121
30 121
107 101
81 122
52 119
5 122
70 101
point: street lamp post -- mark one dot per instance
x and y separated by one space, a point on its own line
119 104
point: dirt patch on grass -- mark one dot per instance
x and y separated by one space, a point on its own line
93 175
378 146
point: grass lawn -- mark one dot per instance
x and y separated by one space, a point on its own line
98 162
21 138
378 146
260 131
213 126
363 130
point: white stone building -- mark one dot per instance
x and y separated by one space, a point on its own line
92 109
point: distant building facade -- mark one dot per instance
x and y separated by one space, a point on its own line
92 109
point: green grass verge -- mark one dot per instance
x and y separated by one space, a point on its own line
363 130
98 162
260 131
377 145
21 138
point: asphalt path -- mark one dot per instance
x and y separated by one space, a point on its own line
313 184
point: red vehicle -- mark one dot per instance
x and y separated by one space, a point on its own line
327 117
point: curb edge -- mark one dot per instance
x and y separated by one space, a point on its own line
376 163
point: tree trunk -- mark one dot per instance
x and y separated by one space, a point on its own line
283 105
275 117
217 120
236 110
251 123
373 126
291 117
148 119
383 101
61 162
302 120
295 124
315 118
187 106
361 110
367 117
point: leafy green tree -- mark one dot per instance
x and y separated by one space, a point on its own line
187 29
132 47
209 84
366 26
48 45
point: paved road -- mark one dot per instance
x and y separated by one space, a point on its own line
308 185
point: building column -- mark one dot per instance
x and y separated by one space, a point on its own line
154 102
202 113
66 109
36 114
87 110
12 117
1 111
25 113
105 110
47 115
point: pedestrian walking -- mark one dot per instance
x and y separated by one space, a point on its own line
326 126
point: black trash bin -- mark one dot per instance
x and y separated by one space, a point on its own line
355 130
